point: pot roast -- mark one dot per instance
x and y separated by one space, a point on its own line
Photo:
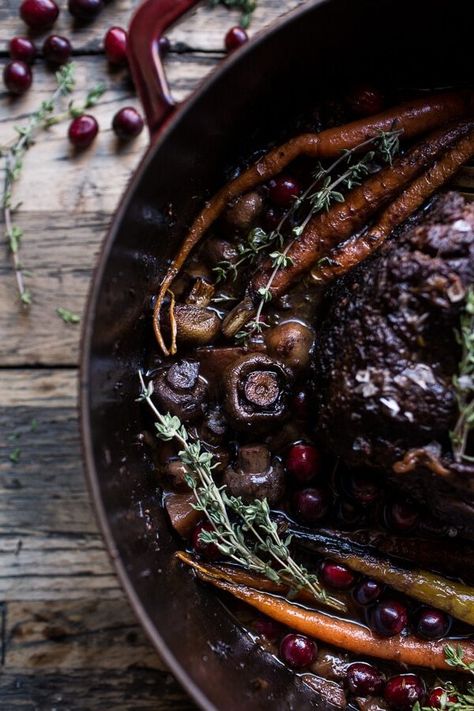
386 356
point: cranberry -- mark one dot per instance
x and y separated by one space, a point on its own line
268 628
83 130
303 462
39 14
300 404
56 49
336 575
206 550
17 77
402 516
365 100
164 45
235 38
298 651
439 696
364 680
364 487
433 624
367 592
283 191
23 49
403 691
311 505
127 123
85 9
389 617
115 46
271 218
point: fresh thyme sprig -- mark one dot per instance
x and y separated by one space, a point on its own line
243 532
455 658
464 382
452 698
68 316
13 163
247 8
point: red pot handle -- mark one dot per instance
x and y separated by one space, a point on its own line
148 24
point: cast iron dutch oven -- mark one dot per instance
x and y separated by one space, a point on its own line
194 147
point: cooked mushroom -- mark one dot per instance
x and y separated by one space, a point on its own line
219 250
244 211
180 390
255 475
256 388
183 515
201 293
175 471
292 342
195 324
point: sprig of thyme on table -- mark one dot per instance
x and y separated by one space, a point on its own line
464 381
247 8
243 532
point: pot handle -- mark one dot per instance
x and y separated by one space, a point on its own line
148 24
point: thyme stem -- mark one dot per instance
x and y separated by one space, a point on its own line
464 382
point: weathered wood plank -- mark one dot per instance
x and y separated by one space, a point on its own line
201 29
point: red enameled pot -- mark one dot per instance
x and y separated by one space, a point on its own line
194 148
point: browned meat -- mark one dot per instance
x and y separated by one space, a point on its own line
386 355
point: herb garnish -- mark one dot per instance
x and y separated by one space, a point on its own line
247 7
463 701
464 381
67 316
243 532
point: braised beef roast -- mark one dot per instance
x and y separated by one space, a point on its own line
386 356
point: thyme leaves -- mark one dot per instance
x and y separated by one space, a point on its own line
463 382
246 7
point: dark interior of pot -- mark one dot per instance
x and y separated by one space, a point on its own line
424 43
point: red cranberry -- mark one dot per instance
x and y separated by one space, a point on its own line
402 516
367 592
235 38
56 49
439 697
85 9
389 617
268 628
83 130
303 462
365 100
164 45
17 77
39 14
364 487
336 576
23 49
283 191
127 123
403 691
364 680
300 404
433 624
298 651
115 46
311 505
206 550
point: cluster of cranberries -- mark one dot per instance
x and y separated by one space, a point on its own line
40 15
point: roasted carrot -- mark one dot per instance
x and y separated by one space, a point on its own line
413 118
327 229
341 633
354 251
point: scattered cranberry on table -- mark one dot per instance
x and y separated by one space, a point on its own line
235 38
389 617
17 77
403 691
303 462
283 191
127 123
39 14
365 100
23 49
367 592
85 10
311 505
364 679
82 131
432 624
336 576
402 516
164 45
298 651
438 696
115 46
207 550
57 50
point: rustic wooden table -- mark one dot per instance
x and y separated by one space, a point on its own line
68 639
